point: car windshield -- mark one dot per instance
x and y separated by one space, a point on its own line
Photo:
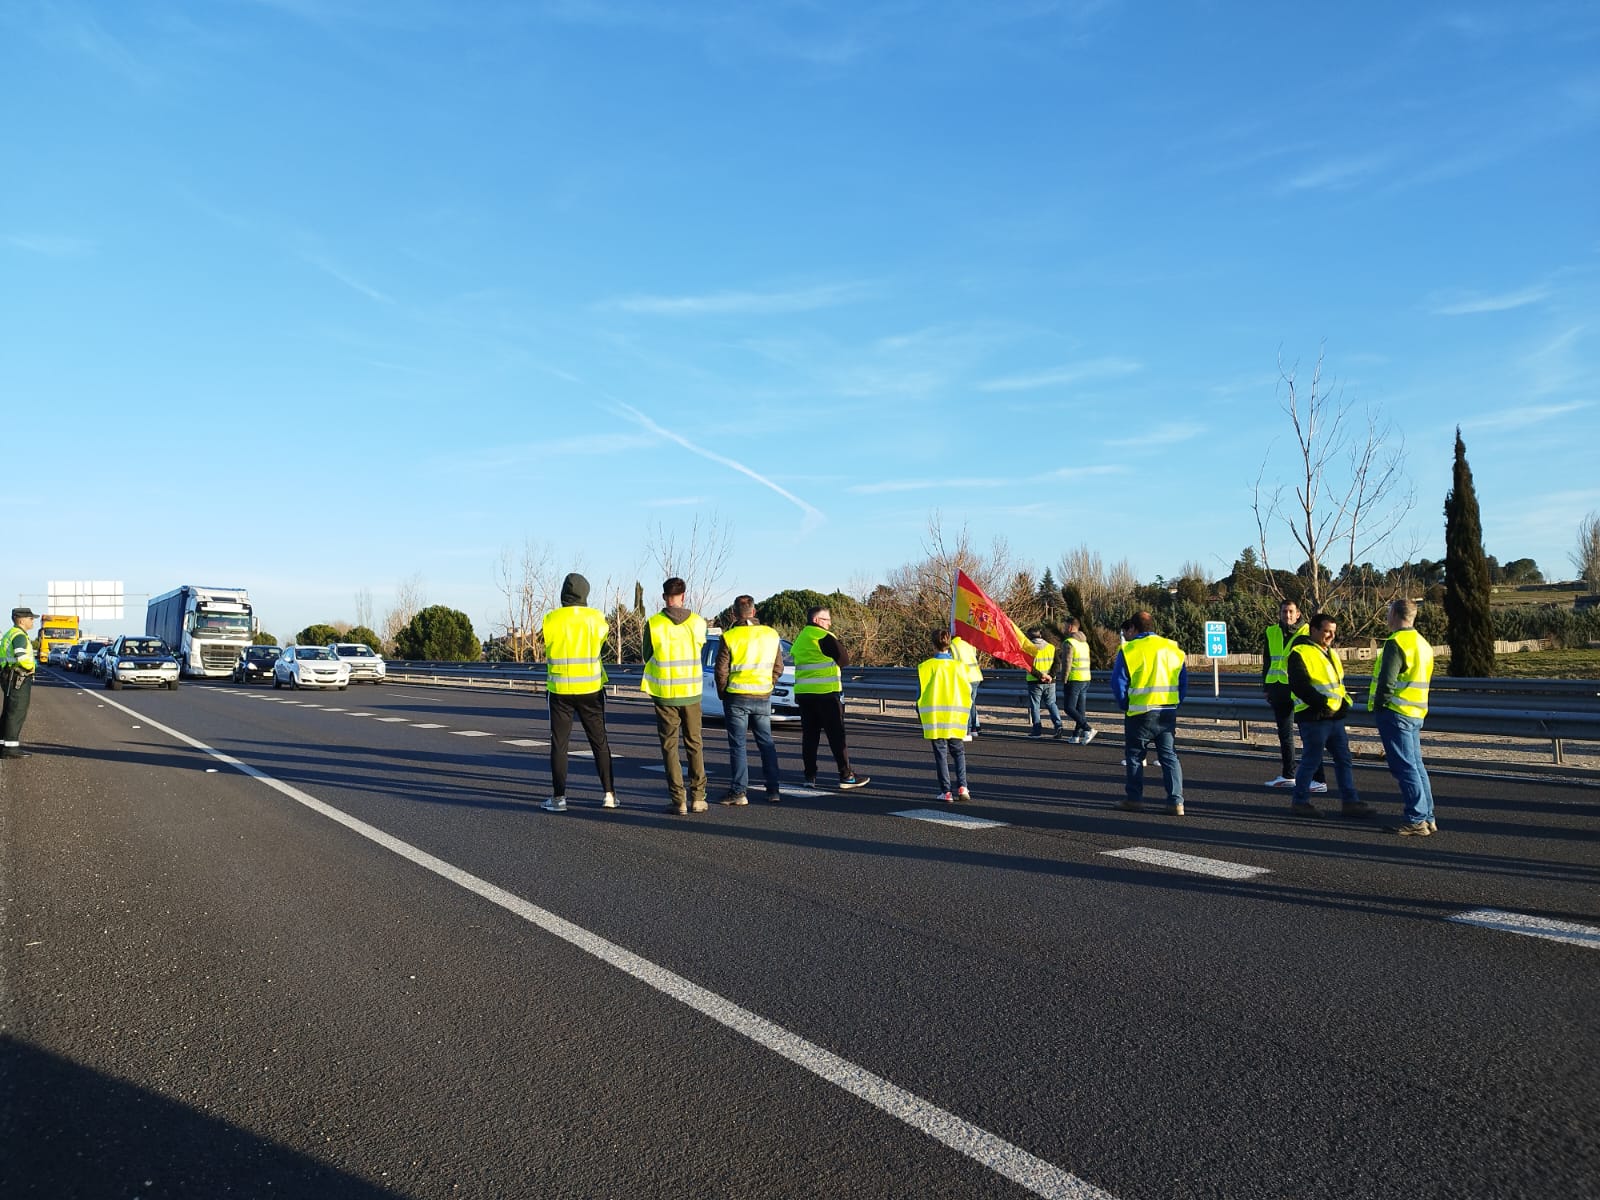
307 652
354 651
144 646
91 647
266 655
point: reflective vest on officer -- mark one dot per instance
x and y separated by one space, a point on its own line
17 651
945 698
674 671
752 649
965 653
1409 696
1077 661
1278 650
573 637
1155 665
814 671
1326 673
1044 657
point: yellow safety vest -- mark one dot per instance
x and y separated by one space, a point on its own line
1409 696
814 671
752 649
17 651
674 671
1326 673
1278 649
1078 661
965 653
945 699
573 636
1044 657
1154 665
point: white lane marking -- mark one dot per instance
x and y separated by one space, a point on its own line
358 714
470 733
281 700
1188 862
1569 932
807 793
590 754
308 704
956 820
427 725
330 708
1038 1176
526 743
392 720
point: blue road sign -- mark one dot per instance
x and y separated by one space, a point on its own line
1216 639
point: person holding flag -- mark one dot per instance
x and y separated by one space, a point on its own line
964 653
1042 688
943 701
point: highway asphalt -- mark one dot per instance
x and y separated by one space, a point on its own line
266 943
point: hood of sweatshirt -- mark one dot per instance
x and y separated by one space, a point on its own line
678 615
574 590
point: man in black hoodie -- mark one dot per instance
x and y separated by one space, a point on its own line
575 679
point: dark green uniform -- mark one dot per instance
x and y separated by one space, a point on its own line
16 681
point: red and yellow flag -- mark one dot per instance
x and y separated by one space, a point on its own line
984 623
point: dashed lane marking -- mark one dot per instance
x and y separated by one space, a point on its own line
427 725
1188 862
1569 932
1037 1175
391 720
955 820
590 754
525 743
470 733
358 714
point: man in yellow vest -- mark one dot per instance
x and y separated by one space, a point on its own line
575 680
943 701
17 665
674 677
1042 688
1321 707
1398 702
1149 679
1275 645
965 653
749 663
1076 648
818 690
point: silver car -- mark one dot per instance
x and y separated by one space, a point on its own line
784 707
364 662
138 661
308 667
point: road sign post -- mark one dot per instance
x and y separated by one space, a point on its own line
1216 648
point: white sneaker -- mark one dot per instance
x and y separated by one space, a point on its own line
555 804
609 802
1088 737
1315 786
1280 781
966 737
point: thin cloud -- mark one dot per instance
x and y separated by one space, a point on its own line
50 245
1169 434
1524 415
1334 175
1063 376
742 303
1503 302
813 515
1081 472
344 277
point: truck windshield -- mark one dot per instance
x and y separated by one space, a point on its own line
64 633
223 623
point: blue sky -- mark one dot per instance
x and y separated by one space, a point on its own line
319 295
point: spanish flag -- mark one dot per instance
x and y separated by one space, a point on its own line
984 623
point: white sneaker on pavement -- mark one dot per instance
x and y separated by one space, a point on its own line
1280 781
1088 737
555 804
1317 787
609 802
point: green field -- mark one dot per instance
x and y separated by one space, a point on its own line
1549 664
1506 596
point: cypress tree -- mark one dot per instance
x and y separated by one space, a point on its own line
1466 576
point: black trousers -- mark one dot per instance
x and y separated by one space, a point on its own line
822 712
591 710
1282 701
15 712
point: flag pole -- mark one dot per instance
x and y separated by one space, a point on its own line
953 603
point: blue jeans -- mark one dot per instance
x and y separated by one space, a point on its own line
945 749
1043 695
1319 740
1158 726
972 714
752 713
1076 705
1402 746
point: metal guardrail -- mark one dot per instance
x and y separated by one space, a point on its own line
1553 710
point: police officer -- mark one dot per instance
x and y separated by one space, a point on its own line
16 680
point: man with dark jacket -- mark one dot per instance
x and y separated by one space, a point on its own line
818 688
674 679
1321 706
575 681
1275 643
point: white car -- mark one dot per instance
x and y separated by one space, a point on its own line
783 706
310 666
364 662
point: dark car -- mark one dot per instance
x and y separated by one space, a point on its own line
139 660
255 664
83 655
